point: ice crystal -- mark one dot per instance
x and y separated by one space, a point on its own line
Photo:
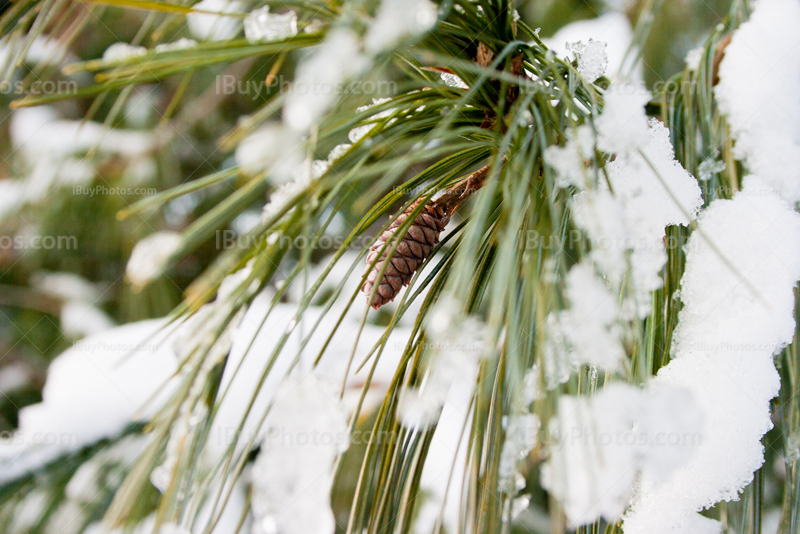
261 25
592 58
708 168
453 80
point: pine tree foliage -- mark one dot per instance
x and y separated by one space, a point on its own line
495 262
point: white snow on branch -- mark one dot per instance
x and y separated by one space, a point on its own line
272 147
261 25
602 443
210 27
592 58
318 77
622 127
40 133
731 325
569 161
396 19
614 29
591 324
93 391
627 229
292 476
759 80
457 343
453 80
150 256
123 51
446 400
694 57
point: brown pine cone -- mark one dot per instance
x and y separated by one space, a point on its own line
417 244
414 249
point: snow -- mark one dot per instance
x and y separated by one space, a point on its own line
149 257
458 343
104 471
199 354
307 429
31 509
694 57
602 443
12 193
396 19
79 314
357 133
14 376
67 286
709 167
281 197
592 58
522 434
455 360
244 367
79 318
93 390
41 134
102 384
569 161
602 216
614 29
443 472
43 50
318 76
181 44
208 27
759 80
272 147
634 218
622 127
723 350
338 151
755 233
453 80
591 324
260 25
556 356
123 51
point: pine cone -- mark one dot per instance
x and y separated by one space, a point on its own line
417 243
